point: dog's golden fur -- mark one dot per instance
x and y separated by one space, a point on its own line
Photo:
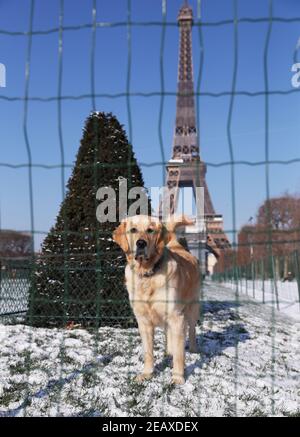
163 287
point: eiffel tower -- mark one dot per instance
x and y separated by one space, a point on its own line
185 168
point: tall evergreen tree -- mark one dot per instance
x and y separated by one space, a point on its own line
79 277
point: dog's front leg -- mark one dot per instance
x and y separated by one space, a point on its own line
177 327
169 348
147 331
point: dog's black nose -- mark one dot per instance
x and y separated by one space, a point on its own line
141 244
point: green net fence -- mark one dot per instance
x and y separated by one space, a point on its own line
74 351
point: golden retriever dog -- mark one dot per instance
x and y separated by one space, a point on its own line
163 283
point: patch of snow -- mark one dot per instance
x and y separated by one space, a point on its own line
265 291
248 364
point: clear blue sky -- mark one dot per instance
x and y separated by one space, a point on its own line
111 64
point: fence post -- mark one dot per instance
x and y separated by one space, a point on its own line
252 278
263 278
274 277
255 274
297 265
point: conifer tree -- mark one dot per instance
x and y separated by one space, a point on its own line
79 276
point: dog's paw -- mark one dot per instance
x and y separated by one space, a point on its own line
178 380
143 377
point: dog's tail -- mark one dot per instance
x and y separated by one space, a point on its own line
176 221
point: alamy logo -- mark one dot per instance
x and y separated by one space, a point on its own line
296 77
2 76
296 69
113 204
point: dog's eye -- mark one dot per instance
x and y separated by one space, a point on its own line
133 230
150 231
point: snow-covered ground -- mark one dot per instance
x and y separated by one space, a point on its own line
284 295
248 365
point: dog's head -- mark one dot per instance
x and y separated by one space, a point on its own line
143 238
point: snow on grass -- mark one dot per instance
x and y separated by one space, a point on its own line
265 291
247 366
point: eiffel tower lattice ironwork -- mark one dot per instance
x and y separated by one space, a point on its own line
186 169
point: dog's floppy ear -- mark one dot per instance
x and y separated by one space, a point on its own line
163 236
119 236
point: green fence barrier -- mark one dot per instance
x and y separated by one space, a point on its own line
33 386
